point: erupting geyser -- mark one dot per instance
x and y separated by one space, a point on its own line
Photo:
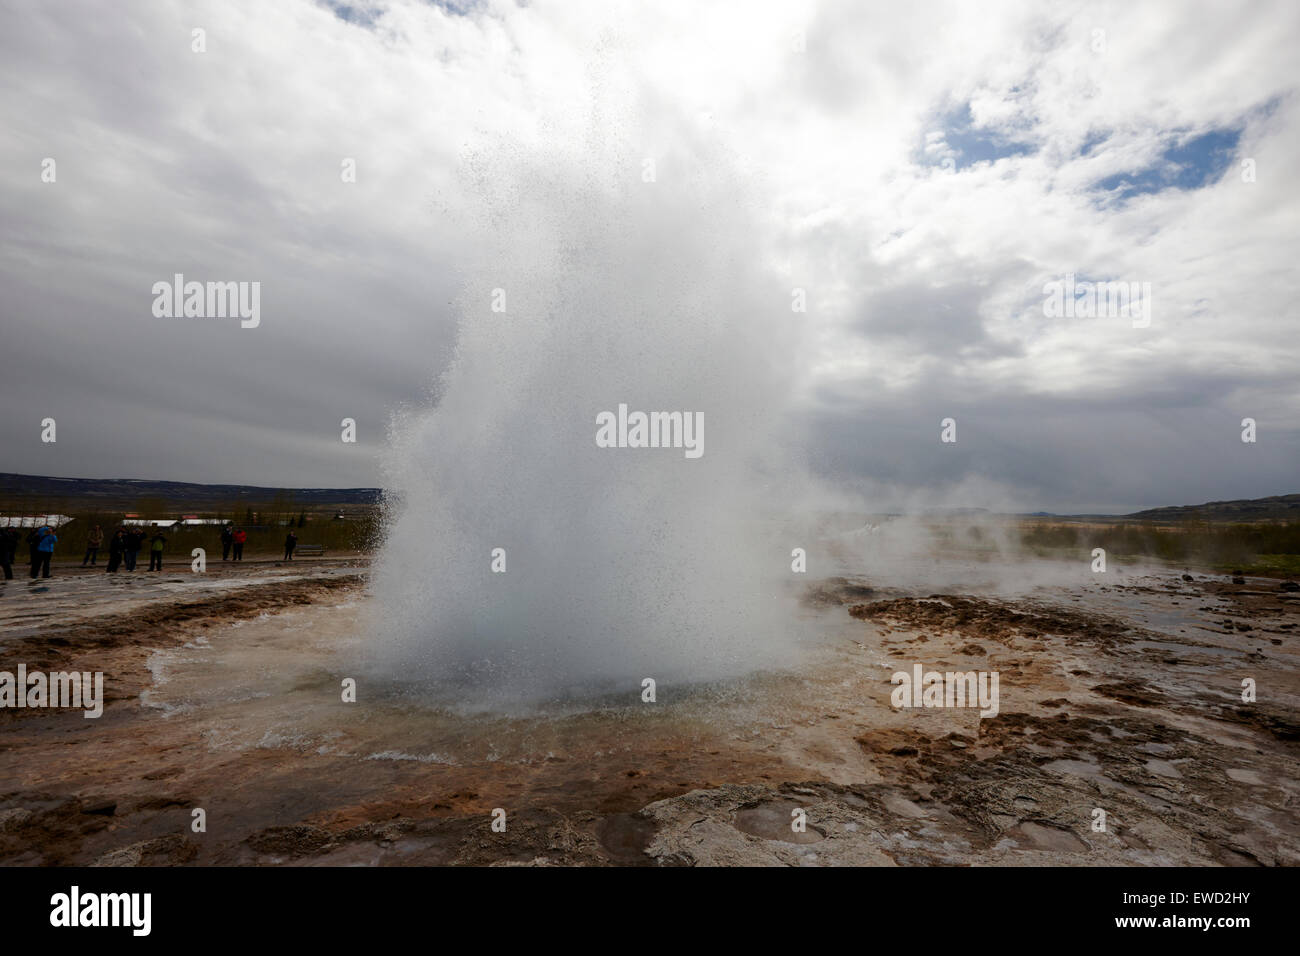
620 562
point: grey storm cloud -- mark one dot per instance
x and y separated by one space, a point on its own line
942 321
920 172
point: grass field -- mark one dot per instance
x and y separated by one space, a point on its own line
1271 549
354 533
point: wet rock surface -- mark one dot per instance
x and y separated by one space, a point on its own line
1119 704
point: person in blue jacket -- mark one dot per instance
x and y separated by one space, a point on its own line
44 551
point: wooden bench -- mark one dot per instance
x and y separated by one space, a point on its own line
309 550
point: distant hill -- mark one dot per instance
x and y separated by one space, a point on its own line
1243 509
43 493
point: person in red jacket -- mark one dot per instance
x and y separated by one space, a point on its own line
240 537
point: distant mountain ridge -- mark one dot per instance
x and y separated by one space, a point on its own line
1241 509
40 490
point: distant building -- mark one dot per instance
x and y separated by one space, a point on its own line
33 521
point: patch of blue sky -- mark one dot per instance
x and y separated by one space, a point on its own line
358 14
1188 162
459 7
1094 139
364 14
958 139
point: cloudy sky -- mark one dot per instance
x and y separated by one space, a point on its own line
921 171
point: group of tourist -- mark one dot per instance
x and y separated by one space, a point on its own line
232 540
123 548
40 543
232 543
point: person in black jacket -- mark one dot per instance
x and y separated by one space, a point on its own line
116 545
8 546
134 538
227 539
290 542
33 541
